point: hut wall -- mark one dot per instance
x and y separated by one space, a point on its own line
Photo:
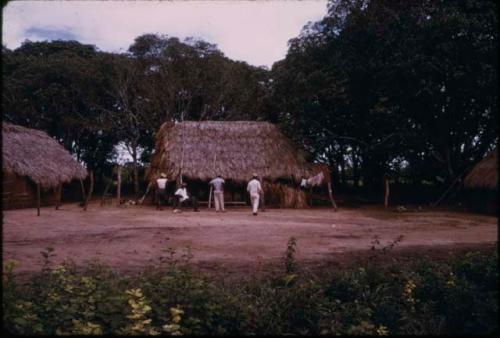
484 201
283 196
20 192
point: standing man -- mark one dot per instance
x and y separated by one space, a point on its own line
218 184
255 190
161 191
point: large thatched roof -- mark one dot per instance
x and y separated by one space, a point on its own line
234 150
32 153
485 173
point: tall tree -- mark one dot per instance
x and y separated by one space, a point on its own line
393 82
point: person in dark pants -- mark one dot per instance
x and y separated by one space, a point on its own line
161 191
181 196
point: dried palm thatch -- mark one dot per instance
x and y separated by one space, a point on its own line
235 150
485 173
32 153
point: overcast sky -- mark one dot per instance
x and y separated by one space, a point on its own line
252 31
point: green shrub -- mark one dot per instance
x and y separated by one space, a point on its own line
454 297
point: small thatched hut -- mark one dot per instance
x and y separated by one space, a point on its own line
31 162
484 175
481 184
198 151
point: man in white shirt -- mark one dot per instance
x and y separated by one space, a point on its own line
255 190
180 195
218 184
161 192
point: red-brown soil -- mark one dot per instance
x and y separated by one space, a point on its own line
131 237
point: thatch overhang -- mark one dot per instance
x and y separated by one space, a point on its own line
233 149
484 175
32 153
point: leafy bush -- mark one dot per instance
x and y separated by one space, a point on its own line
427 297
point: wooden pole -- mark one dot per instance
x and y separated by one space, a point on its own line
330 194
386 197
146 193
210 197
55 197
452 184
57 193
106 191
119 186
90 190
38 199
83 190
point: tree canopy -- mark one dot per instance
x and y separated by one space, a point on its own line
374 88
385 85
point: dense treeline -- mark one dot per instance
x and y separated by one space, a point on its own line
382 86
92 100
374 88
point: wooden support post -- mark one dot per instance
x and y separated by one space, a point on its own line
262 201
83 191
91 188
119 186
330 194
311 196
210 197
146 193
38 199
59 195
386 197
55 198
58 192
106 191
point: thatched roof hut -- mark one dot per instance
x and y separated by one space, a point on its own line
235 150
33 154
484 174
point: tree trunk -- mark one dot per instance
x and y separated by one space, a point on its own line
38 199
83 191
342 172
355 169
136 171
330 194
91 188
335 171
386 197
119 186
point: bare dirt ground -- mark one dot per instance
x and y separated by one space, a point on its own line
130 238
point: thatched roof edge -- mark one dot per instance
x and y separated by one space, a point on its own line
32 153
234 149
485 173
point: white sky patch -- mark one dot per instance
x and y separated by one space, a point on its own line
123 156
253 31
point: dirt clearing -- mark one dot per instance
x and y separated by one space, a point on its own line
132 237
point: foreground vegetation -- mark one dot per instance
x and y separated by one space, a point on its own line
426 297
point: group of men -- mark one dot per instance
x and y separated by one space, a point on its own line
254 188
